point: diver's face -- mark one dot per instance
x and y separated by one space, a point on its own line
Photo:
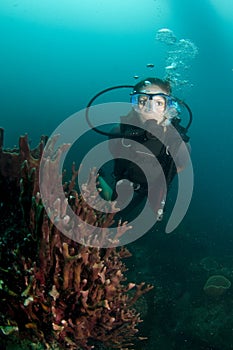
150 105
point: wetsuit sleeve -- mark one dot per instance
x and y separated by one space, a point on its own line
115 147
183 156
114 141
109 175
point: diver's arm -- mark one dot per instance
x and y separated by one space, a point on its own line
114 142
183 156
107 180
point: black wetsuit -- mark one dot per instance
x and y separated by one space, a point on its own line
161 148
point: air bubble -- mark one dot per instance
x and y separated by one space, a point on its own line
178 57
166 36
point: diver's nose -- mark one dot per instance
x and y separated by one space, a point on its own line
149 106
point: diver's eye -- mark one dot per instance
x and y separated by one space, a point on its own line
159 103
142 100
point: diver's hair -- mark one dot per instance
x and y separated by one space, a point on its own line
163 84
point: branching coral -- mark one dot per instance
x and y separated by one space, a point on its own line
53 289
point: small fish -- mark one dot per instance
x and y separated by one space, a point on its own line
150 65
31 325
136 76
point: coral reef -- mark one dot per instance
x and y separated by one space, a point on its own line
216 285
54 290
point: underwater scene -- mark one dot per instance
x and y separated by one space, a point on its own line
116 175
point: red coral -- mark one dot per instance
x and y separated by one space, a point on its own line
55 289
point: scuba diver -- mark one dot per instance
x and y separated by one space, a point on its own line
145 138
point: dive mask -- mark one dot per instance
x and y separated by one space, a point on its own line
173 108
157 103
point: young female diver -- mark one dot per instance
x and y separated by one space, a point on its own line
150 123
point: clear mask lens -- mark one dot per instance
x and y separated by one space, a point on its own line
154 103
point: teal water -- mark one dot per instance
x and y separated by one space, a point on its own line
54 58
